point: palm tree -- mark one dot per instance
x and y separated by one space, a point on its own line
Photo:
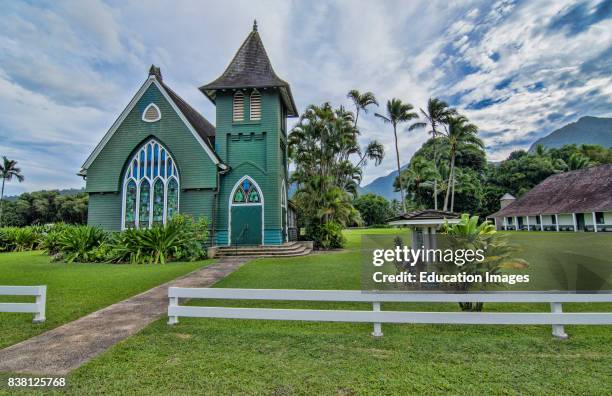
437 113
8 170
540 150
578 161
361 101
460 133
397 113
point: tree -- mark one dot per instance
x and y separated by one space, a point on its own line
361 101
398 113
460 133
374 151
418 178
321 145
437 114
8 170
578 161
374 209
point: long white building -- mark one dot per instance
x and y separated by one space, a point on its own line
579 200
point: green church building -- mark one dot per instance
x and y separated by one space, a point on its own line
161 157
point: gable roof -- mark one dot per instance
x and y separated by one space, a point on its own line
579 191
251 68
202 130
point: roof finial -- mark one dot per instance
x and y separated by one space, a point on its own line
155 71
255 25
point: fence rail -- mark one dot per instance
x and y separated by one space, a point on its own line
557 318
37 308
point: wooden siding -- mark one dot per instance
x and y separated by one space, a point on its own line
105 211
195 167
251 148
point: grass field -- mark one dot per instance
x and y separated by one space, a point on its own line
74 290
283 358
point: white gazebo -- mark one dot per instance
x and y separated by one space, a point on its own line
424 224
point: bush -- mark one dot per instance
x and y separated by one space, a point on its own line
180 239
20 239
327 235
81 244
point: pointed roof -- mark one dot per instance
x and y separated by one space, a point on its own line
507 196
202 130
251 68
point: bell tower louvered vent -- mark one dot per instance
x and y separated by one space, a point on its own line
255 106
151 113
238 109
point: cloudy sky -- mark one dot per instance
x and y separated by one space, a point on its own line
518 69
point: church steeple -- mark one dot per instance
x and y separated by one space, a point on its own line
251 68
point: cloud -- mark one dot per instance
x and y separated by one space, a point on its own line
516 69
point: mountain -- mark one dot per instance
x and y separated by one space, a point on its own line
587 130
383 186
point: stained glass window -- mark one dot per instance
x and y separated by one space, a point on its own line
172 198
158 202
151 187
130 205
246 192
144 206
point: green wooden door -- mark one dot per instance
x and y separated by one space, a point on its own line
246 225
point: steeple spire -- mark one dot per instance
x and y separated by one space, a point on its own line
255 25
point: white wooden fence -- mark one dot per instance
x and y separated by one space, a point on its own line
37 308
557 318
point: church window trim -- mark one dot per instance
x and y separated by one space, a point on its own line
238 107
255 106
151 113
151 163
232 204
284 206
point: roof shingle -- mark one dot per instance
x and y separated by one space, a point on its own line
580 191
251 68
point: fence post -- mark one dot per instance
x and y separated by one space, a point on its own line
41 302
377 326
557 330
174 301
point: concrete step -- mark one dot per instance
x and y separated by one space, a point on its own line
257 252
287 250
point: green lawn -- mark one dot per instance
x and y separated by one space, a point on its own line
74 290
215 356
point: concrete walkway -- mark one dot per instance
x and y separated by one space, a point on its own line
61 350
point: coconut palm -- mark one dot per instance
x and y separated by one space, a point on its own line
361 101
398 113
8 170
436 114
460 133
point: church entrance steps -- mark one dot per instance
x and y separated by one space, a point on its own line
285 250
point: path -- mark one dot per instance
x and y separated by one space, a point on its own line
61 350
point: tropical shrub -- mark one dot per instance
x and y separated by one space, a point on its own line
500 254
327 235
81 244
181 239
19 239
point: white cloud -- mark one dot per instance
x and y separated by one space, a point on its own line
69 67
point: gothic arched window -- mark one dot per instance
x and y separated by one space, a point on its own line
150 187
246 193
